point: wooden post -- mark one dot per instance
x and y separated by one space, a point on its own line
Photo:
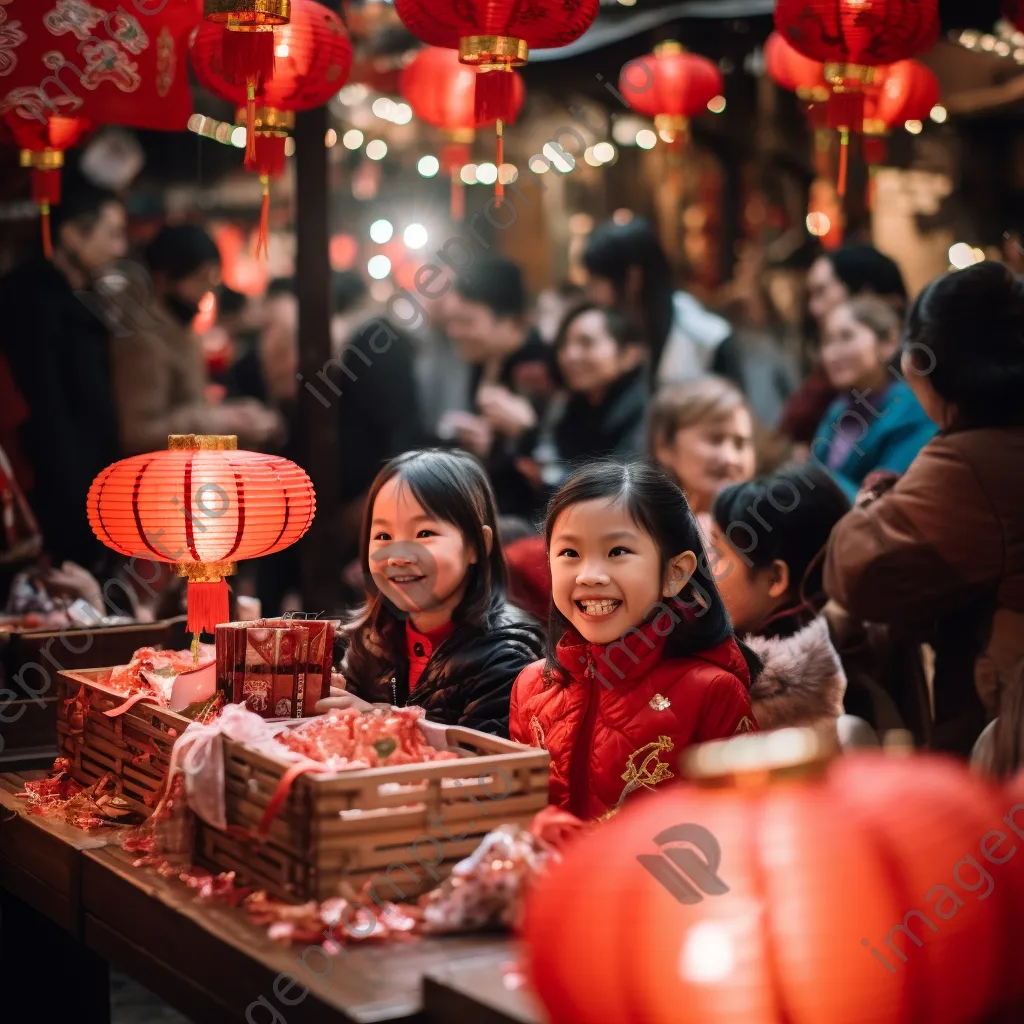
315 421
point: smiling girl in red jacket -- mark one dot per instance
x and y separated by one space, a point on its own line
641 661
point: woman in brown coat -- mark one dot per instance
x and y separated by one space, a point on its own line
942 549
159 374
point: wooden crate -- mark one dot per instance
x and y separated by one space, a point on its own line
401 828
30 661
135 746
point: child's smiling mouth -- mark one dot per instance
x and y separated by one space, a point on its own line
406 580
598 608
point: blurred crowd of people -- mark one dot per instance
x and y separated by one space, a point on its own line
870 512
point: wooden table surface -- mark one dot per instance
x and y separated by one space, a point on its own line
211 963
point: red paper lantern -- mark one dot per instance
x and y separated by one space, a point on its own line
852 38
791 70
496 36
670 85
43 145
313 56
908 92
201 505
441 91
776 887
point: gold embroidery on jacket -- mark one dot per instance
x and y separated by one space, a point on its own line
659 703
651 769
538 733
746 725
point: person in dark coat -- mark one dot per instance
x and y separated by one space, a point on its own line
512 383
57 347
600 355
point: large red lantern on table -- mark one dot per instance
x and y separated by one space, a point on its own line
670 85
852 38
441 91
202 505
66 67
313 56
495 37
778 887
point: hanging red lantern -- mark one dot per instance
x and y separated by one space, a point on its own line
671 85
441 91
908 92
780 886
789 69
202 505
313 56
495 38
69 67
43 145
852 38
248 43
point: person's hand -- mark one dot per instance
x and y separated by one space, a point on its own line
72 581
470 432
253 422
874 486
342 700
507 413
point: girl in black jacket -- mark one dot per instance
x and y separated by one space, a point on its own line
436 630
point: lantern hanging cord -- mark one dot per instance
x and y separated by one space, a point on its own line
844 159
44 212
250 120
499 156
262 242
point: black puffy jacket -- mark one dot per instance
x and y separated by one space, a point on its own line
468 680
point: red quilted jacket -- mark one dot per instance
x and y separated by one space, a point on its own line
626 713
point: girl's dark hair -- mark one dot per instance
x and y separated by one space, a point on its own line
178 250
787 516
453 487
612 250
659 508
965 333
865 270
623 328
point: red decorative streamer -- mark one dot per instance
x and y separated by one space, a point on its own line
207 606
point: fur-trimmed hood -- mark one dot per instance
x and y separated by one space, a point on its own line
801 681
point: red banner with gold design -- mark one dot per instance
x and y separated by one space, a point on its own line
108 61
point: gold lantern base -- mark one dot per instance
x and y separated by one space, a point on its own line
42 159
491 53
248 15
843 77
267 119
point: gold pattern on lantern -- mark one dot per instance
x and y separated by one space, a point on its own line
493 51
202 442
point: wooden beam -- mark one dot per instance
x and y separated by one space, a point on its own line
315 421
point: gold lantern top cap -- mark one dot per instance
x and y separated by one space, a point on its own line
202 442
669 48
248 15
758 758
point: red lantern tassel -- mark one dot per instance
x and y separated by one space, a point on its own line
846 110
250 122
457 202
248 57
844 161
269 155
46 194
495 96
499 156
207 606
262 243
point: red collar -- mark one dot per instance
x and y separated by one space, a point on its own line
429 641
630 657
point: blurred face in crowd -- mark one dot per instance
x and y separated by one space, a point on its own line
477 333
95 243
590 358
824 290
707 456
751 593
606 573
852 354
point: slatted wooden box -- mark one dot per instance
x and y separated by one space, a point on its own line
135 746
401 828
